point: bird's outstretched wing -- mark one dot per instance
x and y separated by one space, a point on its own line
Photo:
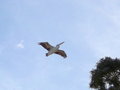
46 45
61 52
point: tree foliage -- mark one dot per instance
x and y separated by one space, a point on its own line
106 76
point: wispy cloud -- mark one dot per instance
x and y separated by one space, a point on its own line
8 82
1 49
104 40
20 44
111 10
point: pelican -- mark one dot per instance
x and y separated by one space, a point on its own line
51 49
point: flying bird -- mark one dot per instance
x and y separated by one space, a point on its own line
51 49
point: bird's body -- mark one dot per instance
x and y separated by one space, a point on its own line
51 49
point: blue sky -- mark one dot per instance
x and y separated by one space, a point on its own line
90 29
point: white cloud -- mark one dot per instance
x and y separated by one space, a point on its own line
20 44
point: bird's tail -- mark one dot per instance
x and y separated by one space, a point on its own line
46 54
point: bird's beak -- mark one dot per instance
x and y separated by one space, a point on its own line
61 43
